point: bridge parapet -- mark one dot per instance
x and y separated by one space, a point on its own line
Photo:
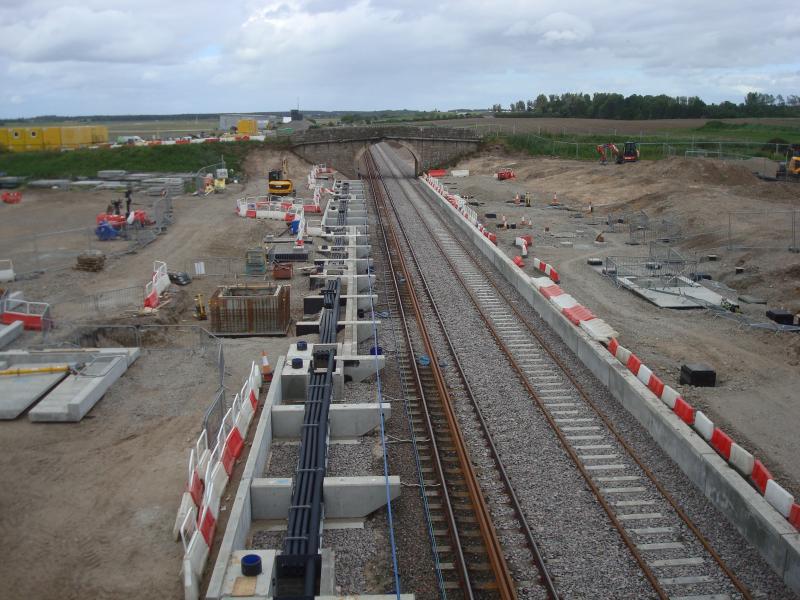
343 147
379 132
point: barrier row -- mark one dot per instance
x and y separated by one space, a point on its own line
209 471
261 207
578 315
461 206
157 285
737 457
35 316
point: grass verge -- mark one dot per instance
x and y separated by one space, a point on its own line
184 158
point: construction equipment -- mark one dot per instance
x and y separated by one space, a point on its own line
504 174
604 149
630 153
199 308
279 183
791 167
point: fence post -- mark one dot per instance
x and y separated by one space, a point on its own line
730 233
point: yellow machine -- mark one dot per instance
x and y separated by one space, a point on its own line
278 185
199 308
791 168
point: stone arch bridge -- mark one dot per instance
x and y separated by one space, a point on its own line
342 147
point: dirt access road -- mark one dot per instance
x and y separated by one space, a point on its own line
86 509
756 396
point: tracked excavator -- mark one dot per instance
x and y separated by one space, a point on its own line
279 183
629 153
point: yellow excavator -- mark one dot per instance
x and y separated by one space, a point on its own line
278 183
791 168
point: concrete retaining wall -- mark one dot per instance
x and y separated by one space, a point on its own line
762 526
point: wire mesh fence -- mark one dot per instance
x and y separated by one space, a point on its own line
663 267
661 230
55 250
621 222
764 229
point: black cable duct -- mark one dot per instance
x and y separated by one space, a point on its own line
298 567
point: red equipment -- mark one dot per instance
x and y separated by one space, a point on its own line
118 221
12 197
503 174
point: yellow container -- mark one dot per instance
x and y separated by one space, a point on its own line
52 138
34 140
85 135
70 137
247 127
3 138
99 134
16 139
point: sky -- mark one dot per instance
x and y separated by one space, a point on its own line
110 57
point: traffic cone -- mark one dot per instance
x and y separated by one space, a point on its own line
266 368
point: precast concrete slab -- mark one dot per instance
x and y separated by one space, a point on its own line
346 420
344 497
71 357
673 297
236 585
77 394
18 392
8 333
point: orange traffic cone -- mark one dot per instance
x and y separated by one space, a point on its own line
266 368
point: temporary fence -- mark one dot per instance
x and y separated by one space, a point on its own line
664 267
661 230
764 229
57 250
217 266
621 222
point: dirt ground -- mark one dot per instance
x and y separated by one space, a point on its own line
87 509
757 372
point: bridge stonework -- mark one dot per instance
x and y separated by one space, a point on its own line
342 147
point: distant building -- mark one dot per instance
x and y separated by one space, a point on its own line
296 115
232 119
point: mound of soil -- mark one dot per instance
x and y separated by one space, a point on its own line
701 170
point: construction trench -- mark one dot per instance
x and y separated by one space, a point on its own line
442 421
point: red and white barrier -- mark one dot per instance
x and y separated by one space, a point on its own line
158 284
35 316
209 472
547 270
739 458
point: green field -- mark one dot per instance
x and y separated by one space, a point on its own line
713 139
186 158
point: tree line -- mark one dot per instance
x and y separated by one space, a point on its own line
637 107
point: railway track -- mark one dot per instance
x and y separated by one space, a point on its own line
468 549
667 548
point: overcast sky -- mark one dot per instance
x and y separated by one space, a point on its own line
74 57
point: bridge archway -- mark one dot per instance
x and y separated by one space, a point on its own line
405 144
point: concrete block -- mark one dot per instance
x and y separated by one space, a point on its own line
18 392
77 394
262 583
270 497
346 420
344 497
8 333
359 367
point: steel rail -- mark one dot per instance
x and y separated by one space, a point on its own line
448 508
502 574
607 422
544 572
